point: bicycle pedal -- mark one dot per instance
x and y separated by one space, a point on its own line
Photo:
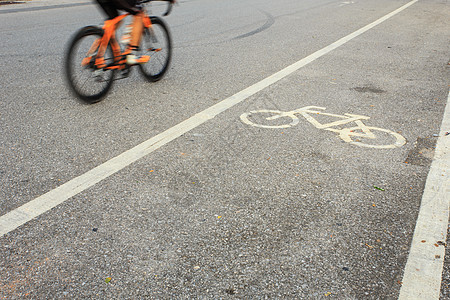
124 73
98 75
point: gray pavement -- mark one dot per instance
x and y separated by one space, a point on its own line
7 7
227 210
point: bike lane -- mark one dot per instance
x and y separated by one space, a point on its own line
271 213
400 95
378 192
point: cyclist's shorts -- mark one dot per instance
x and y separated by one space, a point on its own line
112 7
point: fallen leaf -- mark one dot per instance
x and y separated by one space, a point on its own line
151 171
327 294
108 279
378 188
368 246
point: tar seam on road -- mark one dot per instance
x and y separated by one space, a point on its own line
423 271
25 213
9 11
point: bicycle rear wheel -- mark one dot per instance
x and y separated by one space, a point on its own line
156 43
267 118
89 83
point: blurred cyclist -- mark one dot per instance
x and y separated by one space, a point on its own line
111 8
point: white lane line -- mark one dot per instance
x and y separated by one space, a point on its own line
423 271
44 203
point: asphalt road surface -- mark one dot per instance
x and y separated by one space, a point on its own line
186 188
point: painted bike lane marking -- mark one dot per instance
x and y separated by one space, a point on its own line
51 199
359 132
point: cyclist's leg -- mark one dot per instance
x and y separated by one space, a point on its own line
138 27
136 34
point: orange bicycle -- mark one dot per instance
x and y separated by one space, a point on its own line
94 56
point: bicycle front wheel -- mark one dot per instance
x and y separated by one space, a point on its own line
156 43
382 139
89 83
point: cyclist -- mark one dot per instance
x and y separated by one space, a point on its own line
111 8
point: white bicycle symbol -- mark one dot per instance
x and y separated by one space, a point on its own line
346 134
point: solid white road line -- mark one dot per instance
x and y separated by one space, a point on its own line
44 203
423 271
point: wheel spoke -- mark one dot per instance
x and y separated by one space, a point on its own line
157 43
88 84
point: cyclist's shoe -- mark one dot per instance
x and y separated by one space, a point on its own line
133 58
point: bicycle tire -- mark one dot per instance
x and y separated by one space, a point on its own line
346 135
87 83
246 120
156 42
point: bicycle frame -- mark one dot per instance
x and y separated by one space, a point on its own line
108 37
